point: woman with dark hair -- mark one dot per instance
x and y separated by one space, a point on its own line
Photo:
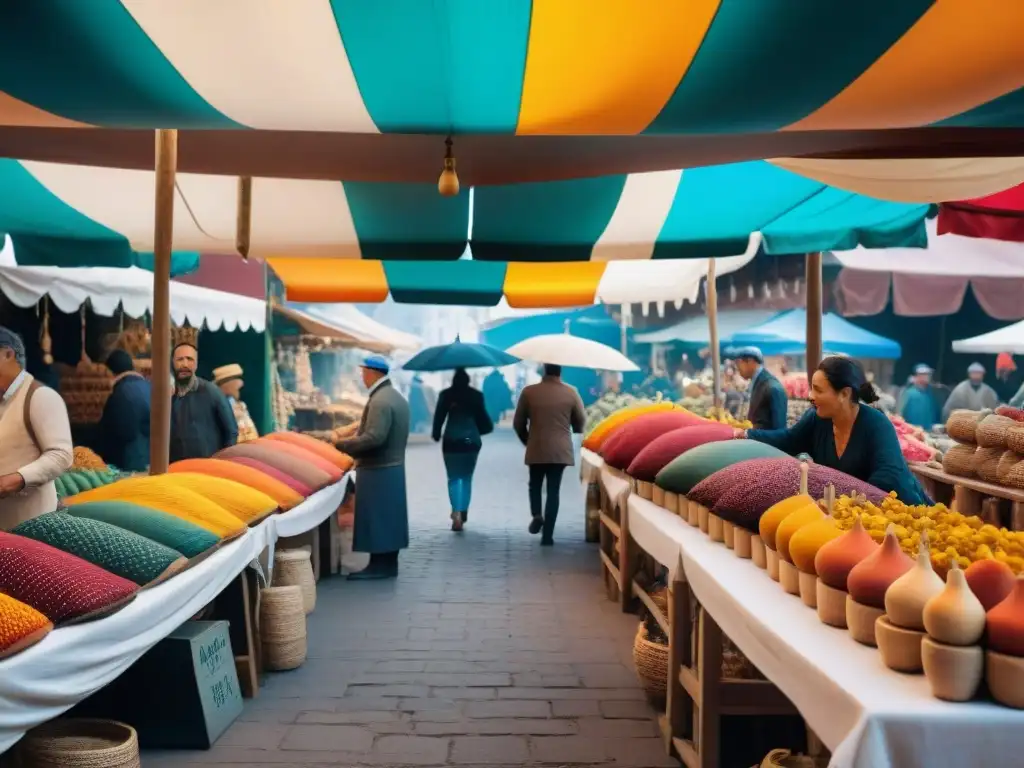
840 432
462 416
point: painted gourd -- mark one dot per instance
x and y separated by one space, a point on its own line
180 535
990 581
870 578
21 626
325 451
796 521
743 473
274 473
955 616
655 456
268 453
806 542
247 504
1005 623
906 598
635 435
596 437
837 558
302 454
693 466
770 521
285 495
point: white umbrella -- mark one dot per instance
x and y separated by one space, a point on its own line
1009 339
572 352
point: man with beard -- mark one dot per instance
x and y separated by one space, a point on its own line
201 419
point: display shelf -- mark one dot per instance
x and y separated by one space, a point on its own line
996 504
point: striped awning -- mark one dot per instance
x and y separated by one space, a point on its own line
513 66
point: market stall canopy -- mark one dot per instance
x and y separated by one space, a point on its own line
348 325
786 334
572 352
695 330
1009 339
107 288
593 323
933 281
995 217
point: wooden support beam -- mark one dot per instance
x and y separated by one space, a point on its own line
815 308
716 356
243 221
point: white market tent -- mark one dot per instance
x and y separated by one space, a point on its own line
1009 339
346 324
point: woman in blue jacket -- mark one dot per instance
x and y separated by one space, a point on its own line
124 426
462 417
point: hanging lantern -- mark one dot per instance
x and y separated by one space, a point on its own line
448 182
45 341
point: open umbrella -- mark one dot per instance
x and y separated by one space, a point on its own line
572 352
448 357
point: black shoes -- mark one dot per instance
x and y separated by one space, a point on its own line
536 524
547 541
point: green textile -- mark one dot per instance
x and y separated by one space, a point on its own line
693 466
113 549
173 532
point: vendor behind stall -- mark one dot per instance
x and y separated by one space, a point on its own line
35 438
201 419
971 394
839 432
229 379
124 426
768 401
918 404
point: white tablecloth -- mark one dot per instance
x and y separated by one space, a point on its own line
868 715
590 465
616 488
74 662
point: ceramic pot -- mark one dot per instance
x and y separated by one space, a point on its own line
991 581
834 561
831 605
900 648
758 551
954 672
703 515
809 589
692 513
1005 677
657 494
742 542
860 620
670 501
645 489
954 616
715 531
792 525
1005 623
906 597
872 576
772 558
728 534
789 577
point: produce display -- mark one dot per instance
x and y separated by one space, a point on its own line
989 446
86 458
21 626
593 438
687 470
296 463
625 443
257 479
662 450
915 443
76 481
180 535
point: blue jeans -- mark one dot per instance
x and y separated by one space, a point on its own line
460 466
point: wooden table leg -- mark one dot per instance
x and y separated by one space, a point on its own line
679 707
709 663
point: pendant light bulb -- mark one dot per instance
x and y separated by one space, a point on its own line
448 182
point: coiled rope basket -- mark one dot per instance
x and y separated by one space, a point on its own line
282 627
651 660
293 568
81 743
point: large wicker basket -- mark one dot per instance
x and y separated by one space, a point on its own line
992 431
986 463
651 660
81 743
283 627
959 460
1015 439
294 568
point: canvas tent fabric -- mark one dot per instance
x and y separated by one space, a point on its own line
993 217
695 330
1009 339
343 323
786 334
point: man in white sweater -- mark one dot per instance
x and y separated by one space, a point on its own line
35 438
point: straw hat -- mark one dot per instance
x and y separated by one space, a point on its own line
227 373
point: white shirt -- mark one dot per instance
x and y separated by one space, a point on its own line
11 390
377 385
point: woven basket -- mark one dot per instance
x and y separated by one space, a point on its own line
1015 440
651 660
783 758
959 460
992 431
293 568
735 665
1015 477
962 425
986 463
283 627
81 743
1007 461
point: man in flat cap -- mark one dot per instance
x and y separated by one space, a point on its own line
768 400
382 510
972 394
918 403
229 379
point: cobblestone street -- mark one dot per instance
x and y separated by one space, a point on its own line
488 650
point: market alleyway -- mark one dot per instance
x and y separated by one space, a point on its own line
489 650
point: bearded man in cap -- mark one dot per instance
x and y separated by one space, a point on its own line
378 446
972 394
201 419
229 379
769 404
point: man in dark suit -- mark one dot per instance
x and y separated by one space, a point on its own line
768 401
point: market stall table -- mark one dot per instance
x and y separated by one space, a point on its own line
972 496
868 715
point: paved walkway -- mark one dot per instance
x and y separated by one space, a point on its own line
488 650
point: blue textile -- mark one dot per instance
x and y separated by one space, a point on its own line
124 426
786 334
382 510
460 466
919 407
872 455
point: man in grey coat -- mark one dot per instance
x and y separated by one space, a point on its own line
382 510
546 416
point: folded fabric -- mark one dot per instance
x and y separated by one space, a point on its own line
113 549
177 533
660 451
271 454
300 488
684 472
305 455
627 441
594 439
324 450
281 492
709 490
157 493
21 626
247 504
62 587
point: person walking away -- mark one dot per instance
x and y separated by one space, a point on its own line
917 404
462 416
228 379
35 438
497 396
382 509
769 404
547 415
124 425
972 394
201 419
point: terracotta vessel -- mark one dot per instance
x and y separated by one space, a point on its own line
692 512
758 553
900 648
742 542
1005 677
954 616
1005 623
837 558
906 598
775 514
658 495
703 515
861 620
789 577
803 548
867 584
772 560
715 532
954 672
671 502
991 582
831 604
645 489
793 524
728 534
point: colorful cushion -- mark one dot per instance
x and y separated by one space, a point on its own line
596 437
304 455
62 587
656 454
177 533
247 504
301 489
324 450
709 490
627 441
113 549
281 492
157 493
306 472
684 472
20 626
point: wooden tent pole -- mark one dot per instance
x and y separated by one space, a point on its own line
716 357
163 230
814 311
243 217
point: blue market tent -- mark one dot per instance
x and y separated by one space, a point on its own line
786 334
